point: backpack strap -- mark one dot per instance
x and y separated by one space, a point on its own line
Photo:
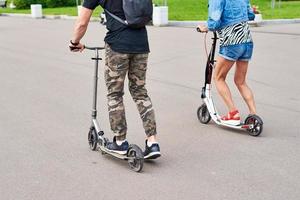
102 3
117 18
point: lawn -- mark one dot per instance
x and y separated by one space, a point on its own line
192 10
71 11
197 9
283 10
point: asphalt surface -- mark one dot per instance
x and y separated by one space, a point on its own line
45 103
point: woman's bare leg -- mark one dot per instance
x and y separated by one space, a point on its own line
222 68
240 82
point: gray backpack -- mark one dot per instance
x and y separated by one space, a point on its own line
138 13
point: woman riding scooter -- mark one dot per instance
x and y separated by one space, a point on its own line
229 19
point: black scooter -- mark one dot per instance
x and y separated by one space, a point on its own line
96 139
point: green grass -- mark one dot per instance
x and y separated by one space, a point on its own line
191 10
197 9
71 11
187 9
285 10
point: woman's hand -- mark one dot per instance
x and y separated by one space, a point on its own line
202 28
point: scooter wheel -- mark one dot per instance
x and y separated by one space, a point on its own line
203 114
93 139
257 125
135 158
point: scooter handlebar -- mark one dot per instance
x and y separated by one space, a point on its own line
93 48
86 47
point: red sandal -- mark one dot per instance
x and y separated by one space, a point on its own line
232 118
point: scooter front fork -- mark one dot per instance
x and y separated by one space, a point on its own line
203 95
207 99
96 125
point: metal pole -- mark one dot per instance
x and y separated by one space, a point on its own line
94 111
279 3
273 2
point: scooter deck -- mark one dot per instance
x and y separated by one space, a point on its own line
239 126
120 156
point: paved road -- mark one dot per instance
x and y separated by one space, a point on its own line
45 115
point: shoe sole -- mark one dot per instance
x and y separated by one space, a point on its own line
152 155
232 122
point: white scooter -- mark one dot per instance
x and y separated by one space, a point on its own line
207 111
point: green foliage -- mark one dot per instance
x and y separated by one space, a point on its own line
25 4
60 3
43 2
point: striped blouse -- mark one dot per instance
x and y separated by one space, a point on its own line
235 34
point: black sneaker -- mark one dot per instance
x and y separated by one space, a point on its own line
115 148
152 152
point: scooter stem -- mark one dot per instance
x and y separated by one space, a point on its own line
94 109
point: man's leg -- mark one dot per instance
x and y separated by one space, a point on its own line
116 67
240 82
137 81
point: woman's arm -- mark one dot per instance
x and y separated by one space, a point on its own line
215 10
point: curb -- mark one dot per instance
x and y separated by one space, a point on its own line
46 16
171 22
253 23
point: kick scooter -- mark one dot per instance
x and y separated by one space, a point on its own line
96 139
207 111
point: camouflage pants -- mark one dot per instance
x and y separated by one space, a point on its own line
117 66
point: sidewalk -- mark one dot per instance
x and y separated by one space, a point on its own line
171 22
263 22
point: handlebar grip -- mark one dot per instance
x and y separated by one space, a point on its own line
200 31
73 48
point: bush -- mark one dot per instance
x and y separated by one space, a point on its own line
60 3
43 2
25 4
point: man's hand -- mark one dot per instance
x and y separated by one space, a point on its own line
202 28
75 47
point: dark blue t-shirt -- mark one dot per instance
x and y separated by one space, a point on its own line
121 38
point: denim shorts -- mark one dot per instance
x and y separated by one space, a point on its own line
242 52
